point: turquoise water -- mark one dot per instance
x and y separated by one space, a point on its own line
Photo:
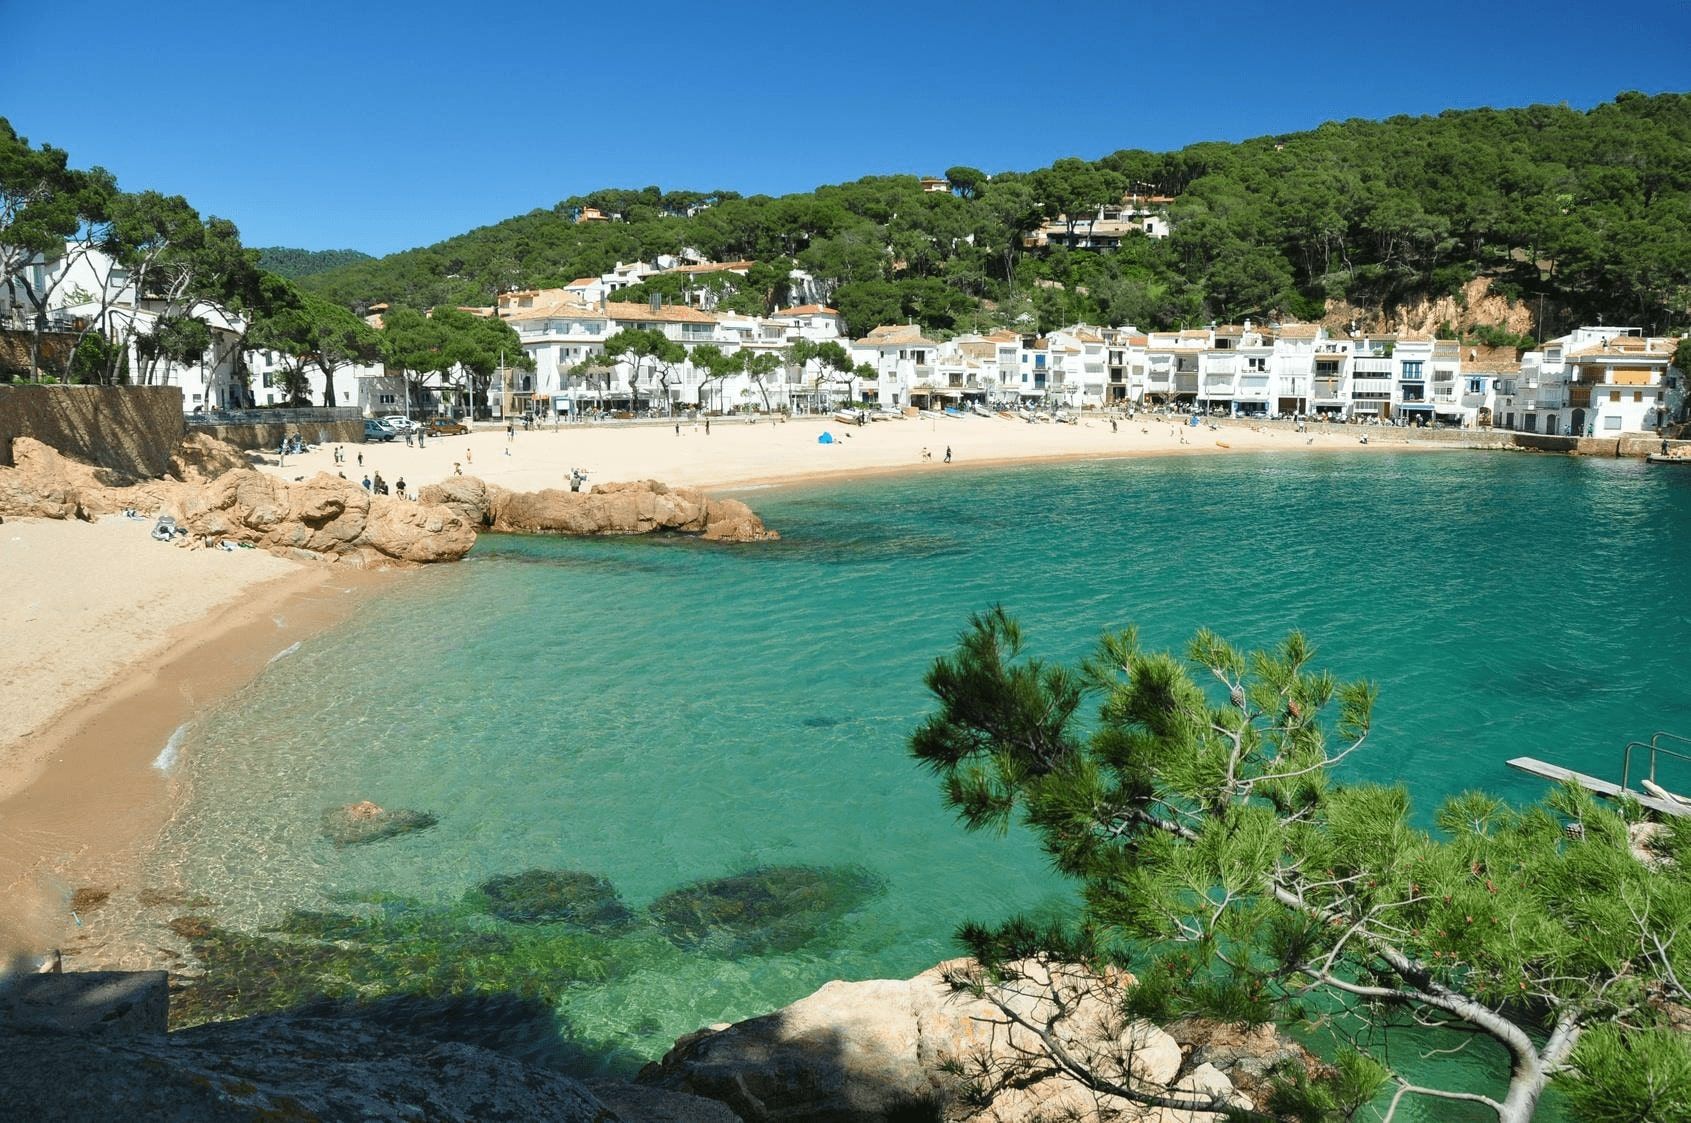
656 712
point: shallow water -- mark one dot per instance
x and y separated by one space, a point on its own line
656 712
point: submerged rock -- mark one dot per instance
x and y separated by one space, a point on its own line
552 896
362 822
773 908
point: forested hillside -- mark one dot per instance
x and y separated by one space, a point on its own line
1584 214
293 263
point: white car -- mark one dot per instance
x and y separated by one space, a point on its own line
399 424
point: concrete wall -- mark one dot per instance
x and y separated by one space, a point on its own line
130 429
261 429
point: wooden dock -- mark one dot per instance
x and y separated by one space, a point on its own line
1556 772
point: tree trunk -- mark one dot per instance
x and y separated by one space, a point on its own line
1526 1085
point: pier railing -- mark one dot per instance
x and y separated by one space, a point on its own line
1655 749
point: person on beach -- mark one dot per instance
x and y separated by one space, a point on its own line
707 426
678 428
510 430
469 457
366 483
282 454
399 487
407 438
926 455
457 468
948 454
361 460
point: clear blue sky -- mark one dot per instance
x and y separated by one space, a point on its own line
384 126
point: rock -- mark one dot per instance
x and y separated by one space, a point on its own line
286 1066
639 1103
1246 1055
111 1003
1645 841
89 898
773 908
325 516
561 896
644 507
200 458
358 823
860 1051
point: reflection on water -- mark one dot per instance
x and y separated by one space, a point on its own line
659 714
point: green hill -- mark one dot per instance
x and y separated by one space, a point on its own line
294 263
1584 214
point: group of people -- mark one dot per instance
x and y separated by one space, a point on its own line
379 486
927 456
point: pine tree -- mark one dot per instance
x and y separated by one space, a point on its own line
1222 863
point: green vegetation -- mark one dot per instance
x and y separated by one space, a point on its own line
571 897
284 261
1225 866
1590 211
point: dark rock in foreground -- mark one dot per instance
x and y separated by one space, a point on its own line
358 823
774 908
542 896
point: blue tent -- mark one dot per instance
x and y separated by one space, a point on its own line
825 439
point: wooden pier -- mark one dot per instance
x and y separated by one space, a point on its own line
1557 773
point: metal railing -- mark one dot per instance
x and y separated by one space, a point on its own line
1654 745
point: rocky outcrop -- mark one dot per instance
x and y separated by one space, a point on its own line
201 458
44 484
325 516
93 1046
862 1051
642 507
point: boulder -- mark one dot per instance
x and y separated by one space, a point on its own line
643 507
200 458
1246 1055
768 909
325 516
860 1051
44 484
358 823
553 896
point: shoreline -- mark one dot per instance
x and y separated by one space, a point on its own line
740 454
80 812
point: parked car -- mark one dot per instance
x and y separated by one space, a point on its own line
399 424
376 431
444 427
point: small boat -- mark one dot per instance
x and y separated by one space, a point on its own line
933 415
953 411
846 416
1222 444
1668 458
980 411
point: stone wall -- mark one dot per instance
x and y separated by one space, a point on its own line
261 429
1632 445
129 429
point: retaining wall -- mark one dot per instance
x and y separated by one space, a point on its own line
261 429
129 429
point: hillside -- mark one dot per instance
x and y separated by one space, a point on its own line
294 263
1573 215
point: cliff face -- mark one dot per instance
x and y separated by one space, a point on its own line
1475 306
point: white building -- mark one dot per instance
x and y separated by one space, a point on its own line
1593 382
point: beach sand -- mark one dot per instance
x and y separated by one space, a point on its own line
739 453
114 641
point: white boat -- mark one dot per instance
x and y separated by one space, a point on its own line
847 416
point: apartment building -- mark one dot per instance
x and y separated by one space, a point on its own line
1594 381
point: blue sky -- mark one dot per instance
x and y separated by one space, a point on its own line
379 127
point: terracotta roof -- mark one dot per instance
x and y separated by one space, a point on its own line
1138 341
1610 351
1192 333
896 335
1299 331
669 313
582 282
1411 337
1493 366
808 310
714 267
1004 335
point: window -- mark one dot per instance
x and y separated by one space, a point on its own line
1638 395
1476 386
1412 369
1614 395
346 395
385 399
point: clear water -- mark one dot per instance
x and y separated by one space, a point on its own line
661 711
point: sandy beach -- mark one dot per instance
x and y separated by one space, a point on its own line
115 641
740 453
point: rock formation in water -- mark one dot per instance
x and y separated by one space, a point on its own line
641 507
358 823
572 897
862 1051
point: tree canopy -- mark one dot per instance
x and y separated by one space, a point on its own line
1222 862
1590 211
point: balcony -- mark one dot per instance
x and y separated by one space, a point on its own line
1372 366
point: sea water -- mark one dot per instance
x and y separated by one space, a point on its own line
656 711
